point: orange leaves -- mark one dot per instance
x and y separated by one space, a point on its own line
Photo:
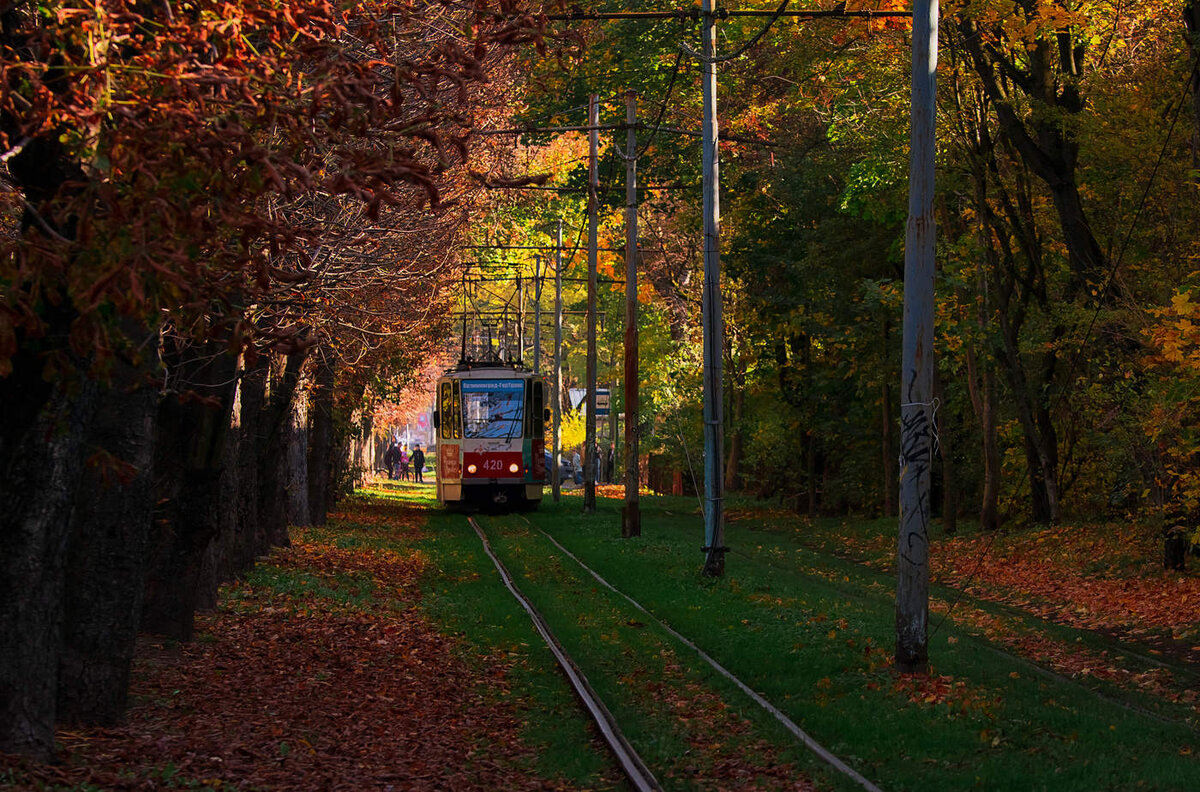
1176 335
1042 572
955 695
178 145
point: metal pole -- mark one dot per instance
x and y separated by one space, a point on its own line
589 451
556 486
916 371
631 519
520 321
463 355
537 313
714 419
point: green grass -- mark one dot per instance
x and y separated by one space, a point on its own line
809 630
465 596
295 586
811 640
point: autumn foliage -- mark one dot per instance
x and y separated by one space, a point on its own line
225 225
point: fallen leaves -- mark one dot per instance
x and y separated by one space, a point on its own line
940 690
284 695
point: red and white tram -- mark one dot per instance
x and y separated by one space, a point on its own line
491 421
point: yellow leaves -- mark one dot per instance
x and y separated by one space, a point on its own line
1182 304
1177 334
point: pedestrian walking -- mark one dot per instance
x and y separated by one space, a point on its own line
391 458
418 463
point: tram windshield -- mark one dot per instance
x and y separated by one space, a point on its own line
493 408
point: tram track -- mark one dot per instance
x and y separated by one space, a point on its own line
803 737
634 768
524 543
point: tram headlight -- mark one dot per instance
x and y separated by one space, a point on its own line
514 467
471 468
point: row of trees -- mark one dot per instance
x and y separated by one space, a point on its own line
1068 242
226 226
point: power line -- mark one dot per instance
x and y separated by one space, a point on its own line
536 187
696 14
524 130
529 247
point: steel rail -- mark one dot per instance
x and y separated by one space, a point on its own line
635 769
783 719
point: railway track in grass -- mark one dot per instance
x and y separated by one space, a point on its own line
633 766
631 763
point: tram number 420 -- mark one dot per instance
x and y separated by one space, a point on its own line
492 465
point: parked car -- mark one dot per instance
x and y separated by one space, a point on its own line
565 472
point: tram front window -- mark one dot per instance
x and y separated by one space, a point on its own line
493 408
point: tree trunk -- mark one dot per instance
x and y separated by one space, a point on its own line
296 477
41 453
270 443
320 441
1050 74
1040 452
41 447
888 446
737 395
110 525
1191 18
1014 290
237 550
982 389
945 446
187 460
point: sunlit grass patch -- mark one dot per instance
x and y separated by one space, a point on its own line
289 588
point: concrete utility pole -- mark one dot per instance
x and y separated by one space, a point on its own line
589 451
556 481
916 375
631 519
714 419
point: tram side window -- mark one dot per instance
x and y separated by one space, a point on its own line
450 419
537 414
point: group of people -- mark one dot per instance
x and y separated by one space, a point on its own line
606 465
401 465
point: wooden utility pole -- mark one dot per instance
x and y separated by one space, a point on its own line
556 480
537 313
520 322
916 374
589 451
631 519
714 422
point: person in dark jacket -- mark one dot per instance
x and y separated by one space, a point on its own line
391 458
418 463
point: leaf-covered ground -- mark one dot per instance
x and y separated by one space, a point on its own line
315 674
1100 577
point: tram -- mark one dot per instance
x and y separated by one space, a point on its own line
490 420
